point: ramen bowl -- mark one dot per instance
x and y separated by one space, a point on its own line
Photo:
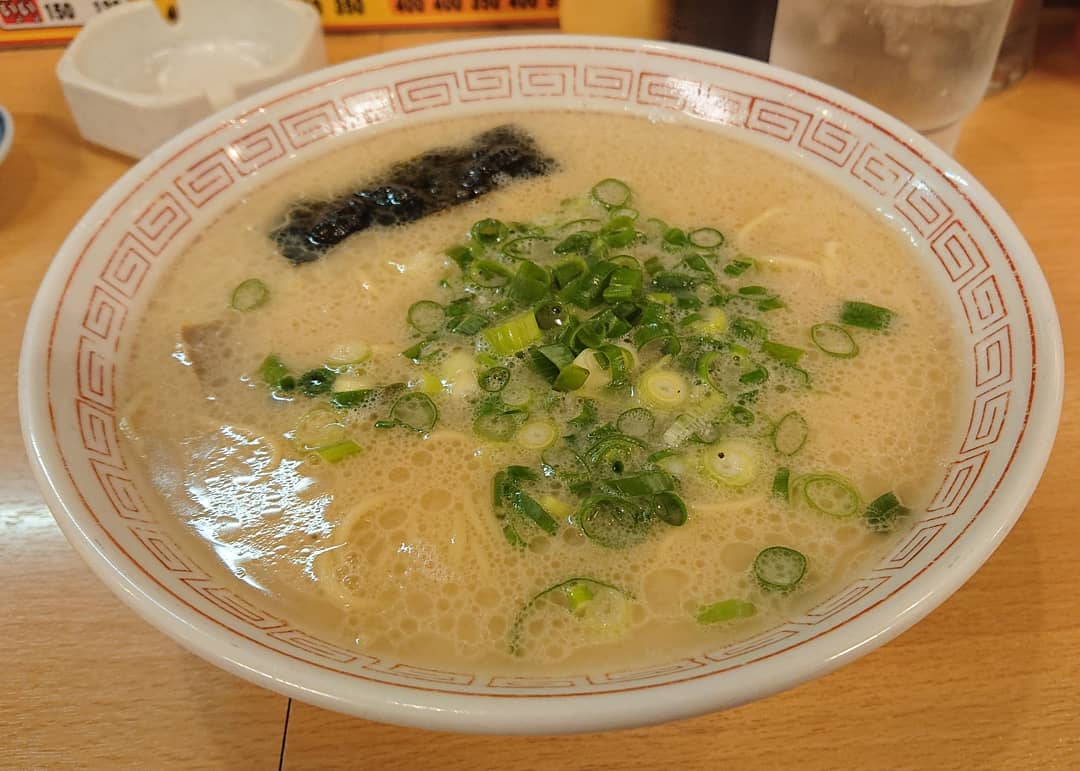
98 286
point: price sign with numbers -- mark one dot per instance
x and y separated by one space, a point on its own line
39 22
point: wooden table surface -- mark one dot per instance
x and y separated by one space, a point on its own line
989 680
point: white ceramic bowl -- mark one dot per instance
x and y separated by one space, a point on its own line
99 282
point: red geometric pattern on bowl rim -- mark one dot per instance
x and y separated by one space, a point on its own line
181 188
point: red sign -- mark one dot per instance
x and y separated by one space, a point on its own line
19 12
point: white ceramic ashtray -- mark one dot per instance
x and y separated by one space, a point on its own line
132 80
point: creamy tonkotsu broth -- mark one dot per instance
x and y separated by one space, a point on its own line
425 545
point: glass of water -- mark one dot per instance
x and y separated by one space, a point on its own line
928 62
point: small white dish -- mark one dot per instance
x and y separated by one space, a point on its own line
7 132
132 79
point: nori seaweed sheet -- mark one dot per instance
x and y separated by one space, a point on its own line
413 189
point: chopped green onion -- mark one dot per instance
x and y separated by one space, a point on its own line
611 193
865 315
725 610
613 451
517 395
605 325
829 494
732 462
537 434
645 483
790 434
514 334
780 483
556 507
498 426
519 248
653 325
549 315
249 295
598 605
468 325
488 232
522 473
586 417
488 273
561 461
754 376
354 398
316 381
525 505
618 232
883 512
458 307
577 595
741 415
672 280
512 537
670 508
570 378
698 263
771 304
714 367
426 316
338 451
617 361
779 569
319 427
675 238
738 267
568 270
548 360
753 291
352 352
636 421
785 354
506 492
494 379
680 430
663 388
748 329
711 321
617 523
274 372
415 411
462 255
834 340
623 285
418 351
706 238
575 243
530 284
579 224
585 291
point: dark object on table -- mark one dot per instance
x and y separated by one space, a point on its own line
413 189
736 26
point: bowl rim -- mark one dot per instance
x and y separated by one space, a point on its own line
490 713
